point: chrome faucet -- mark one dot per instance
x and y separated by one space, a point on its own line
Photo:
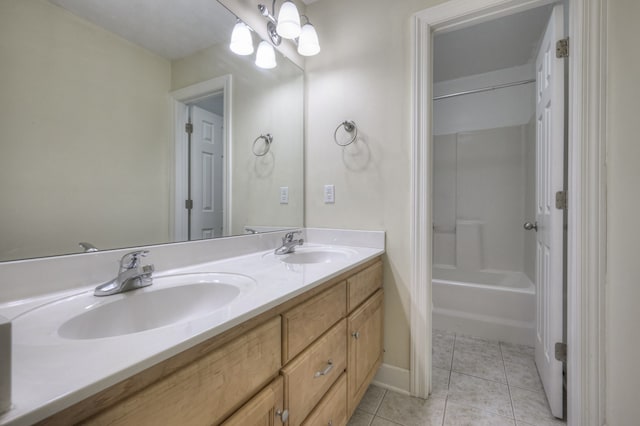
131 275
288 243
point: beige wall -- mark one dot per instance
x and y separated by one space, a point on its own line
83 135
623 157
363 74
263 101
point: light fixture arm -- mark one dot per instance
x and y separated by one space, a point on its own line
271 24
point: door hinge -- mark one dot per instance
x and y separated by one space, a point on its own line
188 204
561 200
188 127
562 48
561 352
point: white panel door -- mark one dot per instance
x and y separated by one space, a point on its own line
549 180
207 183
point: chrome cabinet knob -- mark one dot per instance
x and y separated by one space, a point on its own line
529 226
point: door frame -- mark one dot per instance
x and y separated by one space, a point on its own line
180 114
586 218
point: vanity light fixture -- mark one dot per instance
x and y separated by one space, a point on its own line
288 26
241 41
265 56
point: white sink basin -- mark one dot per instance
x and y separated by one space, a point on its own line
312 255
172 299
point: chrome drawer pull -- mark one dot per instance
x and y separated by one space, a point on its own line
325 371
356 334
284 415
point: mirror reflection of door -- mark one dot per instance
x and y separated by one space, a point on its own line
206 178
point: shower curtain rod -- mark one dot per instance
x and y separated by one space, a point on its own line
484 89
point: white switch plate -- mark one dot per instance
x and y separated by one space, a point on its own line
329 194
284 195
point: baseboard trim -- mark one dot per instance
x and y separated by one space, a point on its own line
393 378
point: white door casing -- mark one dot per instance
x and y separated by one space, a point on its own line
549 181
207 153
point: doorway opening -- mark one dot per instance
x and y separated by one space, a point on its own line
585 217
498 160
202 199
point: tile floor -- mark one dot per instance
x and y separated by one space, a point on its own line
475 382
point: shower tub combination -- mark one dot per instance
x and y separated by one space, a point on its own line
497 305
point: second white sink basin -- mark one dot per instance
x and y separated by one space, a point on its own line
170 300
315 254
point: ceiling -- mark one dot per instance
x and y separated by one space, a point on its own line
172 29
489 46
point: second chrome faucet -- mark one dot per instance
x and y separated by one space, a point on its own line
289 243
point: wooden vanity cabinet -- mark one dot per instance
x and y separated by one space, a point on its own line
305 362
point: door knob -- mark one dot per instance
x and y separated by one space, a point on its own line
529 226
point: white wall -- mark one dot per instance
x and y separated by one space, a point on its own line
623 204
84 133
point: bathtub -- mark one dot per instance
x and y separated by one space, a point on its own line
497 305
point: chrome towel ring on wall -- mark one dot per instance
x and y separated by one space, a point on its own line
350 128
268 139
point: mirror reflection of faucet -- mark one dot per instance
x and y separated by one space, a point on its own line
131 275
88 247
289 243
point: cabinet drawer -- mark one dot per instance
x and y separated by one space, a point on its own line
309 320
332 410
308 377
207 390
363 284
262 409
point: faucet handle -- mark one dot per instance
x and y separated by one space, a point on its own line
131 260
288 237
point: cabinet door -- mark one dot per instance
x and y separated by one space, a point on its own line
364 348
264 409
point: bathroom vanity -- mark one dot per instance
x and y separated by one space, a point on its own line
300 346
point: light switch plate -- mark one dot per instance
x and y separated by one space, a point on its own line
284 195
329 194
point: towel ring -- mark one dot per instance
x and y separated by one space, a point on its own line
349 127
267 140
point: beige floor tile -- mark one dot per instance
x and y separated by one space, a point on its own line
483 394
517 354
379 421
462 415
523 376
440 383
360 418
482 346
476 364
532 407
372 399
410 411
442 357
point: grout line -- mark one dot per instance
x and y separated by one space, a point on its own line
384 394
513 409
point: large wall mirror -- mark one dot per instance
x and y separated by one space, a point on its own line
94 96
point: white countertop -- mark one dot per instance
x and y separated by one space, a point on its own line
51 373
